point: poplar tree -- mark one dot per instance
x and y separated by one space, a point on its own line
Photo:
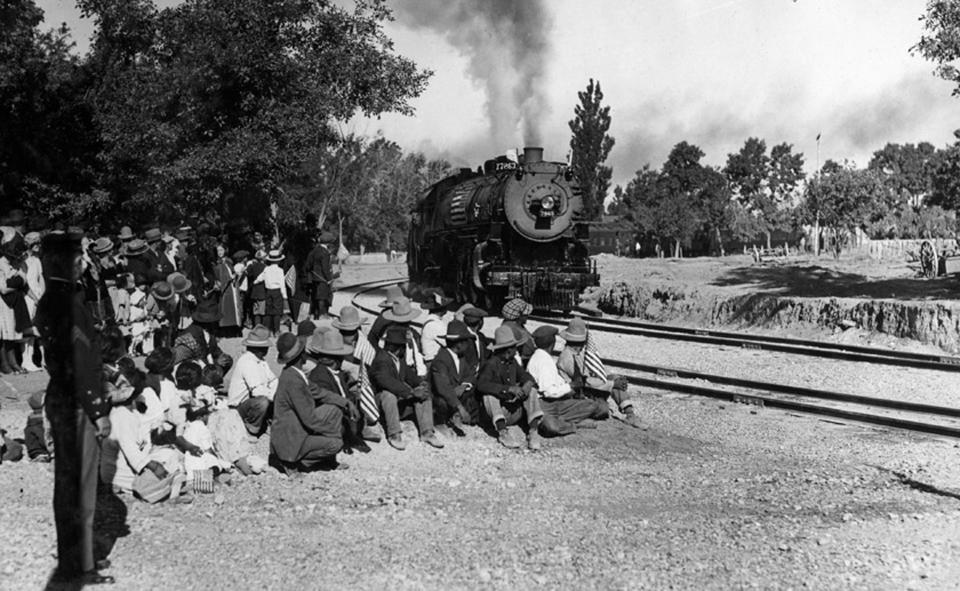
590 146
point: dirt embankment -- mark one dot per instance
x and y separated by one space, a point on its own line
797 296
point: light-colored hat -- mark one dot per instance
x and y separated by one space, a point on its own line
161 291
102 245
259 337
126 233
393 294
32 238
503 338
349 319
576 331
328 343
152 235
136 246
401 311
275 256
515 308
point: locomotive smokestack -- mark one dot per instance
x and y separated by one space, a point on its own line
532 155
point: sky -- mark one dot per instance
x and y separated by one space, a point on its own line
709 72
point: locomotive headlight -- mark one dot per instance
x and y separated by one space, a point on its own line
547 203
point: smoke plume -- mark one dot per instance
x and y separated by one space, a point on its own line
507 43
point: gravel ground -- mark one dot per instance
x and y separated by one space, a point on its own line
709 496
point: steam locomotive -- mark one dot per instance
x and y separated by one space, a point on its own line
513 228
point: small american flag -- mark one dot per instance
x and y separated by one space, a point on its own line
592 361
290 278
364 353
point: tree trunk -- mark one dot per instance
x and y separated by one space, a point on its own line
676 248
720 242
816 235
767 233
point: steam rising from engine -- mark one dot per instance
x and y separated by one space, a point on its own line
507 43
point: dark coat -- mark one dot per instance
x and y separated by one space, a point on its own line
497 375
294 417
475 358
384 376
71 351
329 393
444 375
257 290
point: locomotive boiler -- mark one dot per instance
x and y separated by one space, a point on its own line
513 228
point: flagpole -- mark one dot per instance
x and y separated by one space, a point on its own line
816 226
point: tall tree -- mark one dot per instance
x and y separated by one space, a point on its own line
907 168
940 42
846 200
591 144
212 105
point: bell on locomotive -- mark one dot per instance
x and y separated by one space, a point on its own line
512 228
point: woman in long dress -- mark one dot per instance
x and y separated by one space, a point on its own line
10 337
226 282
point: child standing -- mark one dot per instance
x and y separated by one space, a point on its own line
275 288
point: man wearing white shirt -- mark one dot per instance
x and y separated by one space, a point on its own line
434 327
561 409
253 384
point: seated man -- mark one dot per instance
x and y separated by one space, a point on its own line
514 314
450 375
509 395
335 387
400 390
303 436
357 367
588 377
562 408
253 384
478 353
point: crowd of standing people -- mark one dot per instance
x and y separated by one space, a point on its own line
143 399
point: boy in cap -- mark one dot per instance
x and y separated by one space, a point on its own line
586 375
562 408
454 399
514 314
400 391
508 391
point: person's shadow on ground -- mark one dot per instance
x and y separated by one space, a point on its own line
109 524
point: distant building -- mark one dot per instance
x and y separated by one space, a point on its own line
612 235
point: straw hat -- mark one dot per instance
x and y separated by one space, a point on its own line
503 338
328 343
401 311
136 246
162 291
126 234
393 294
349 319
179 282
327 237
576 331
152 235
258 337
275 256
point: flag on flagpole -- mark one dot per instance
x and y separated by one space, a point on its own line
290 278
592 361
818 137
364 354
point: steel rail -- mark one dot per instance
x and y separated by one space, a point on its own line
772 343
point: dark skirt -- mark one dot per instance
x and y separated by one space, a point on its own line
274 302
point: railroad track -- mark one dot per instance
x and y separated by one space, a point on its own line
910 416
768 343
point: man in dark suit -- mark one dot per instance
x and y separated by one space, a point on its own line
478 352
335 386
319 273
453 380
400 390
76 407
159 265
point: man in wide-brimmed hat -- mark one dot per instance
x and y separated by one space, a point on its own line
184 303
435 325
197 341
509 392
454 399
335 386
584 370
357 366
303 436
98 279
159 265
401 392
319 274
391 295
514 314
138 261
563 410
402 313
253 384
